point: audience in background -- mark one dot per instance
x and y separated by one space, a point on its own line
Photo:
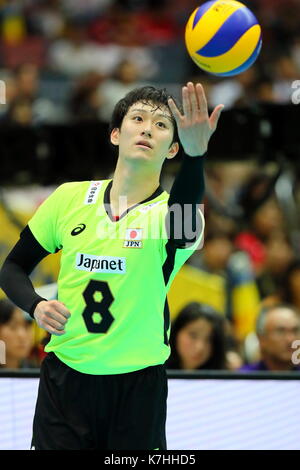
125 78
288 290
277 328
86 101
16 331
99 50
25 105
279 255
198 339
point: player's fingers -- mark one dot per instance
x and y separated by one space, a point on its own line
193 100
201 98
54 331
215 115
186 102
56 316
174 110
61 308
49 322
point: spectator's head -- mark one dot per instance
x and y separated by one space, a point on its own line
127 72
264 90
267 218
85 100
217 249
16 331
285 68
20 111
290 285
279 253
27 80
197 339
144 114
277 327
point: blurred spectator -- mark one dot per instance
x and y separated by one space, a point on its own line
215 255
86 100
75 55
288 290
17 333
241 297
295 52
10 92
27 80
157 26
285 73
197 339
238 89
83 10
264 221
277 328
278 256
19 112
45 18
125 79
264 91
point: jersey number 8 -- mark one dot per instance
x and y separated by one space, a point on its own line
93 307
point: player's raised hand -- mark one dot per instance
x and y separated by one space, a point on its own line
195 127
52 316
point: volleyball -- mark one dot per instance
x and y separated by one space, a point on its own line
223 37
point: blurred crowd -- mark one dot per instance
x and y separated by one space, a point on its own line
67 60
72 60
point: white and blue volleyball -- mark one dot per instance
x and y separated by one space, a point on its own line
223 37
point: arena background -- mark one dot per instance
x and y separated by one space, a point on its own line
63 66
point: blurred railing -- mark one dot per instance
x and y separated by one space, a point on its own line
182 374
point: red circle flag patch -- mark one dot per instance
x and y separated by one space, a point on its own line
133 233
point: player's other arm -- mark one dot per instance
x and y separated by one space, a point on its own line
195 127
183 218
14 280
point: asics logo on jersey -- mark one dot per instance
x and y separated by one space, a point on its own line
77 230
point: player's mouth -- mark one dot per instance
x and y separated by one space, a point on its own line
143 144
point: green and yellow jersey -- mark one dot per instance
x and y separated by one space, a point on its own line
114 277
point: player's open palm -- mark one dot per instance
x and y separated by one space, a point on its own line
52 316
195 126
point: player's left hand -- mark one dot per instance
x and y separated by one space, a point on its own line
195 127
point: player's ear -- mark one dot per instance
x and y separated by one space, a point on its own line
114 136
173 150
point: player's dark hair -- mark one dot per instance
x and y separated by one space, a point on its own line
6 311
146 95
195 311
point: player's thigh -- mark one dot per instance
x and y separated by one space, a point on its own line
138 419
63 416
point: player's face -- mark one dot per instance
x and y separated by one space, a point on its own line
194 344
146 134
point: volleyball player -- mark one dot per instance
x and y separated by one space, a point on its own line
103 383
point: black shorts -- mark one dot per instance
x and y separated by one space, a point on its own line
110 412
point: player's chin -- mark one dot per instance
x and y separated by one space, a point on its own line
143 149
141 154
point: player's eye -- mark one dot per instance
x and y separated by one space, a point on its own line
162 124
139 117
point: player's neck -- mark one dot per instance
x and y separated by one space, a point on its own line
130 186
